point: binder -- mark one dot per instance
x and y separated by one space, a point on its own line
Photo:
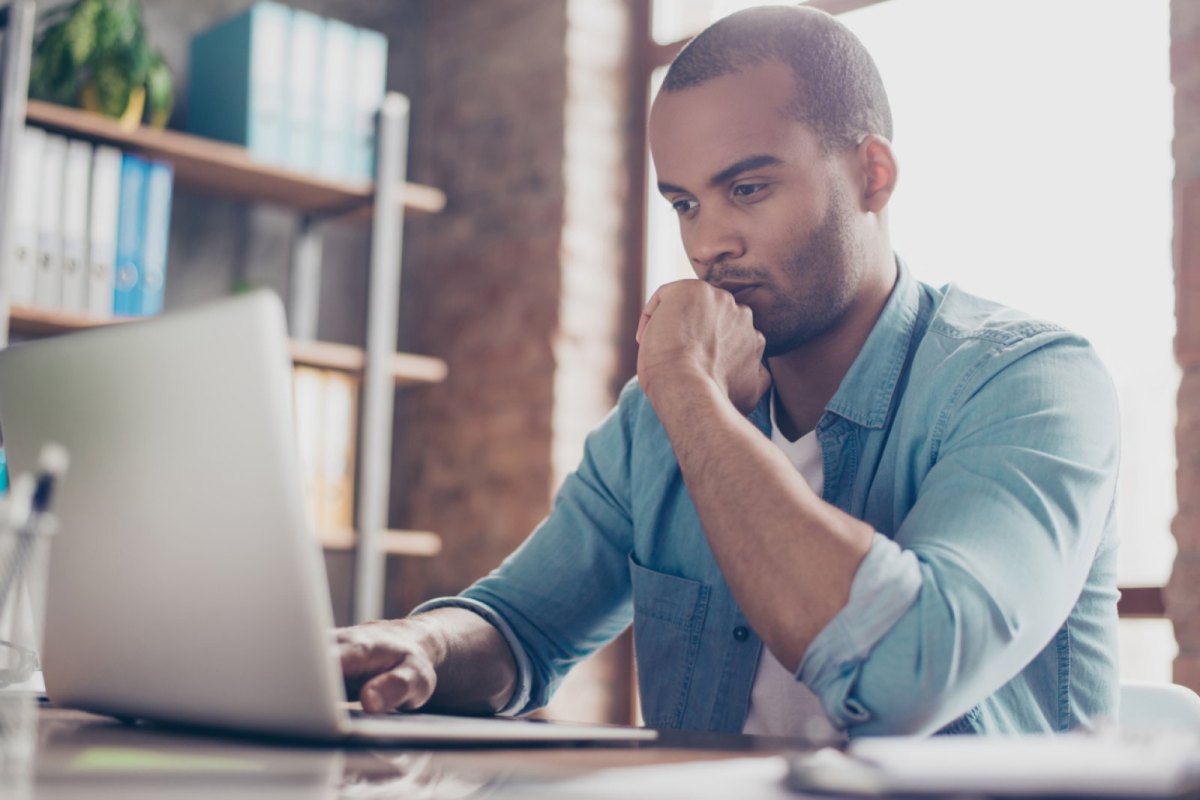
149 291
102 229
47 288
77 175
131 225
337 70
238 84
339 408
370 84
304 86
307 385
22 255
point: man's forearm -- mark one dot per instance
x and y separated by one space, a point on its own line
476 672
788 556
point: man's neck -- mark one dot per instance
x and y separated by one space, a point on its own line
805 379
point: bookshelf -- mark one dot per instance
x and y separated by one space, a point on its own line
227 172
407 369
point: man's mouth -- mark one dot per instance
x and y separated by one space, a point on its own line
740 291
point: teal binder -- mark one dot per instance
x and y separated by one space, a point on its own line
149 294
131 226
336 99
303 130
238 82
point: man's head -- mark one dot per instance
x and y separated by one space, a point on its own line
770 138
839 93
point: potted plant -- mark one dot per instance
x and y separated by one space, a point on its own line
93 54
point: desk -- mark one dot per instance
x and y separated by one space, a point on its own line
52 754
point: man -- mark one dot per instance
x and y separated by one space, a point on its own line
834 496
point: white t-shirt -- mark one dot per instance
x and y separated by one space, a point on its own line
780 705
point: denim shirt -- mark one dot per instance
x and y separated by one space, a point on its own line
980 444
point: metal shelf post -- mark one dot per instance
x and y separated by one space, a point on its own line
378 390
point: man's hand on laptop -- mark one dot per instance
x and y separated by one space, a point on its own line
449 658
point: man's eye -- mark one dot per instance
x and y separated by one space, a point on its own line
748 189
683 206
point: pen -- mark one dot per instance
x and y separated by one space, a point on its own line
29 512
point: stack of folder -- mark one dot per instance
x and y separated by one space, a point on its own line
295 89
91 228
326 410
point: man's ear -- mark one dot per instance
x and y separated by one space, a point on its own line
877 168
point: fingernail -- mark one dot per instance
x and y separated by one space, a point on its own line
370 699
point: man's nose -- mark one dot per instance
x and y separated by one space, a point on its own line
710 242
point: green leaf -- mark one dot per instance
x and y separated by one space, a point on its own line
113 86
81 31
159 94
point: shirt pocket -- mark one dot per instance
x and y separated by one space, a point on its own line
668 619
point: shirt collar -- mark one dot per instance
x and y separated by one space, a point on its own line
865 394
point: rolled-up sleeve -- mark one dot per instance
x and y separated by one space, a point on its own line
987 565
565 592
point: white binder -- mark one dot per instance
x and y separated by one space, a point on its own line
23 257
47 289
76 189
370 85
102 229
336 109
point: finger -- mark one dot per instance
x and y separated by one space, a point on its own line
406 686
361 655
764 382
647 312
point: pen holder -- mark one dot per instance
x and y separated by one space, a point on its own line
24 555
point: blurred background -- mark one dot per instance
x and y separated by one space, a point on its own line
1036 168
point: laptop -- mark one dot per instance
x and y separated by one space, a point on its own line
186 585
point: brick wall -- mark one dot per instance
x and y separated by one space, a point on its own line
1183 589
518 285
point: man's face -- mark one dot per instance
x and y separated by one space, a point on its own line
763 212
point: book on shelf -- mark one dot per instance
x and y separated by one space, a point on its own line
143 231
304 83
23 246
47 286
339 398
76 202
370 86
306 413
325 412
337 71
293 88
237 86
131 230
102 229
77 176
157 232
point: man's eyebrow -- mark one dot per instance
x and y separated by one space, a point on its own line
745 165
727 174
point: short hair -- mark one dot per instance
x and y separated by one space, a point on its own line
838 89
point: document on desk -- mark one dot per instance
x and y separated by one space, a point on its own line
1105 764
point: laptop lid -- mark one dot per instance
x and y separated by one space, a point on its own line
185 583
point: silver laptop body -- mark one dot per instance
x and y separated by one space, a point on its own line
185 582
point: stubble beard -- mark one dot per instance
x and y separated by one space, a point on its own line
821 279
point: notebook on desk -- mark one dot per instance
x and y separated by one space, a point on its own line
185 583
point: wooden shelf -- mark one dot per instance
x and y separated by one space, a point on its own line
225 169
407 369
397 543
40 322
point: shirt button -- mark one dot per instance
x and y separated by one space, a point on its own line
741 633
